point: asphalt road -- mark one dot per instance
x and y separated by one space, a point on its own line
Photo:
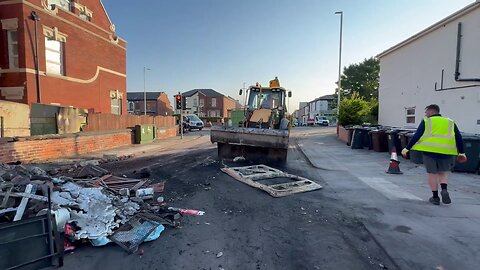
251 229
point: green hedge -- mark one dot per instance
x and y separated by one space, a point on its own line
356 111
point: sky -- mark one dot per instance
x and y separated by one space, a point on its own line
222 44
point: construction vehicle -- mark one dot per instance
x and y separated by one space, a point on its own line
264 132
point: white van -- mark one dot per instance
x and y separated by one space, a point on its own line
321 120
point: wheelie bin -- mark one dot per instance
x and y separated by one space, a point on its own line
393 140
379 140
358 138
471 144
415 156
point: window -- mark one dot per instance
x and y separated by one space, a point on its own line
85 17
54 56
195 102
202 102
410 112
214 102
64 4
12 36
131 106
116 105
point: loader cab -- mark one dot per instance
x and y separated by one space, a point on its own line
266 98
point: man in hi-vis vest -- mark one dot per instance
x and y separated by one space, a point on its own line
440 141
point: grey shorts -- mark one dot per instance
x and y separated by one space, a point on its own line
436 165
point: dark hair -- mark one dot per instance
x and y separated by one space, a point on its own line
433 107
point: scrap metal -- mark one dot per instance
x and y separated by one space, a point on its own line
250 175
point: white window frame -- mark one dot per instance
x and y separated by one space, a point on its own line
410 114
84 16
201 102
63 4
214 102
116 108
11 45
60 53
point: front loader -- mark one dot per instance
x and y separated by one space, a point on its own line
264 132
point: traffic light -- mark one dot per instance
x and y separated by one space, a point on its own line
178 102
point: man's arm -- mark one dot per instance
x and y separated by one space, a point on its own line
418 134
459 140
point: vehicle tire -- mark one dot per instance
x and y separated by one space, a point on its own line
200 129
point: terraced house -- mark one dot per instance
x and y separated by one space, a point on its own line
62 52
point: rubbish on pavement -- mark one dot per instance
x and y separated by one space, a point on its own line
250 175
241 158
130 235
62 216
67 245
144 192
91 171
23 204
219 254
187 211
124 191
158 187
89 163
155 234
100 241
87 204
394 165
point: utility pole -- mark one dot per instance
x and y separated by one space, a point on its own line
144 91
339 62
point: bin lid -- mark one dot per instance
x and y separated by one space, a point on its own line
470 137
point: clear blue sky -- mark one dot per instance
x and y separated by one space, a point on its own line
221 44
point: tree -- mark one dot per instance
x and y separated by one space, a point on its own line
361 78
353 110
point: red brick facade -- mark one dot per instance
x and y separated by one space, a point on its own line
94 59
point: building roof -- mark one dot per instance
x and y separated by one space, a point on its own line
327 97
432 28
206 92
138 96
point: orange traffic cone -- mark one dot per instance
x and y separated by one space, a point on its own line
394 167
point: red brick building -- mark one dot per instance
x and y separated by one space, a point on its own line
208 103
81 62
157 103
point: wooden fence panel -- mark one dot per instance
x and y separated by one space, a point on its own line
105 121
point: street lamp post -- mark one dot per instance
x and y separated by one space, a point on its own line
144 92
339 62
35 18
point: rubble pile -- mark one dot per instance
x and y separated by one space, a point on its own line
88 203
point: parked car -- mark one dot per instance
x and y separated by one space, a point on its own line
322 121
193 122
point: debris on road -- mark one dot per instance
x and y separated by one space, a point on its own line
250 175
219 254
187 211
241 158
88 203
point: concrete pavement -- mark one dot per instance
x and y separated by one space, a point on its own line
395 208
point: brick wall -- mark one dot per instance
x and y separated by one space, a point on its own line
47 147
163 133
44 147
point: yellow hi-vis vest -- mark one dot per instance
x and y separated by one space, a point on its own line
438 137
